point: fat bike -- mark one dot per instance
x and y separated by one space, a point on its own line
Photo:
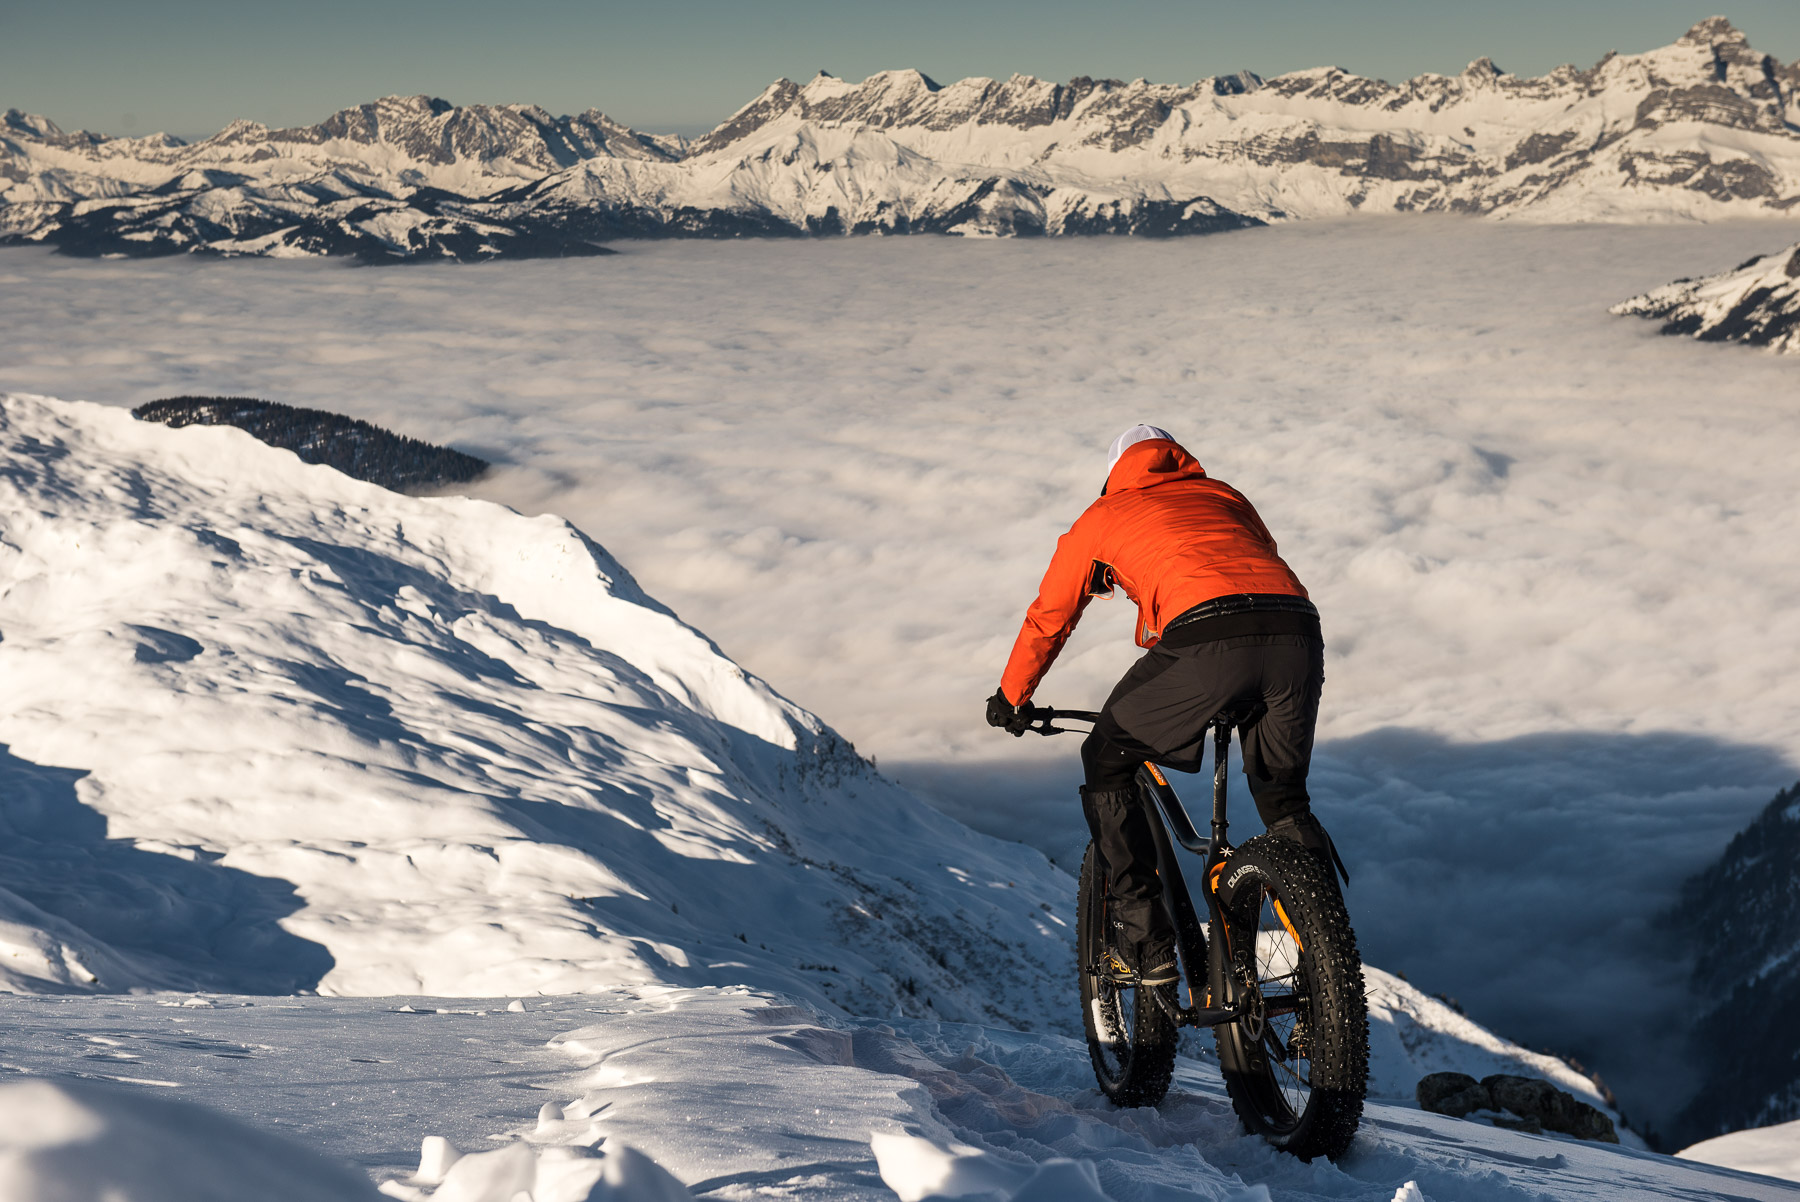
1274 972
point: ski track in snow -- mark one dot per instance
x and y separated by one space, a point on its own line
743 1095
1553 549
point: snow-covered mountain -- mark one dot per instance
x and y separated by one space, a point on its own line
269 729
1703 128
366 181
1741 919
1756 302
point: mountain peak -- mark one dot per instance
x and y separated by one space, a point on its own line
1711 32
910 77
421 104
826 84
29 123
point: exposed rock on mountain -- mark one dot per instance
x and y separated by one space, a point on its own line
1538 1105
1757 302
1707 127
1741 918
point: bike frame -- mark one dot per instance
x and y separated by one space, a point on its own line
1214 992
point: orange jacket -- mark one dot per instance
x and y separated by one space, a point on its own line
1167 534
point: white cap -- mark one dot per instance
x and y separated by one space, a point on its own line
1133 435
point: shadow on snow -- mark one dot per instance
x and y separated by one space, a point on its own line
190 923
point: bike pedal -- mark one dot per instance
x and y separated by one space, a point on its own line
1124 978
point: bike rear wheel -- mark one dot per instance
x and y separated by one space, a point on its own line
1297 1064
1131 1038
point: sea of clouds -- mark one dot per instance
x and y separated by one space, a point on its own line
1554 552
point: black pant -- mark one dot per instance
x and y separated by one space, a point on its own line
1159 711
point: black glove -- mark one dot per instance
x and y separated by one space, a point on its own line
1009 717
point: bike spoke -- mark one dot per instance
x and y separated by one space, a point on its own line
1303 1082
1278 976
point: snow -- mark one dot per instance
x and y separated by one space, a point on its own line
270 728
917 1169
67 1141
1770 1151
1412 1035
739 1094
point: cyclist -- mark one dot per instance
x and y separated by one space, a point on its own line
1224 619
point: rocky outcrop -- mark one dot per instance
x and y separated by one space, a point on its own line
1706 127
1528 1104
1757 303
1455 1094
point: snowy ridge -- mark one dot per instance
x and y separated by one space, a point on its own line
1757 302
1704 128
1412 1035
271 729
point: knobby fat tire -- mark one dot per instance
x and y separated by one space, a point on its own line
1337 1013
1146 1062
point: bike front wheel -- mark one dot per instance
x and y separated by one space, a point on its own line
1297 1063
1131 1038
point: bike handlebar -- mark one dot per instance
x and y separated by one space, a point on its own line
1044 716
1240 714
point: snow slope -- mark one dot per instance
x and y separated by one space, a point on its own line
272 729
1757 302
72 1140
743 1095
1771 1151
1701 129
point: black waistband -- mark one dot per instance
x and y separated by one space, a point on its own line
1241 614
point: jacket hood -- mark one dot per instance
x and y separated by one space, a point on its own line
1151 462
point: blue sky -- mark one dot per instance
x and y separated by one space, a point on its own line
189 66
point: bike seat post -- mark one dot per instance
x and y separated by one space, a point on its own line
1221 754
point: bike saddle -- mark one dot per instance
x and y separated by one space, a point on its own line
1242 713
